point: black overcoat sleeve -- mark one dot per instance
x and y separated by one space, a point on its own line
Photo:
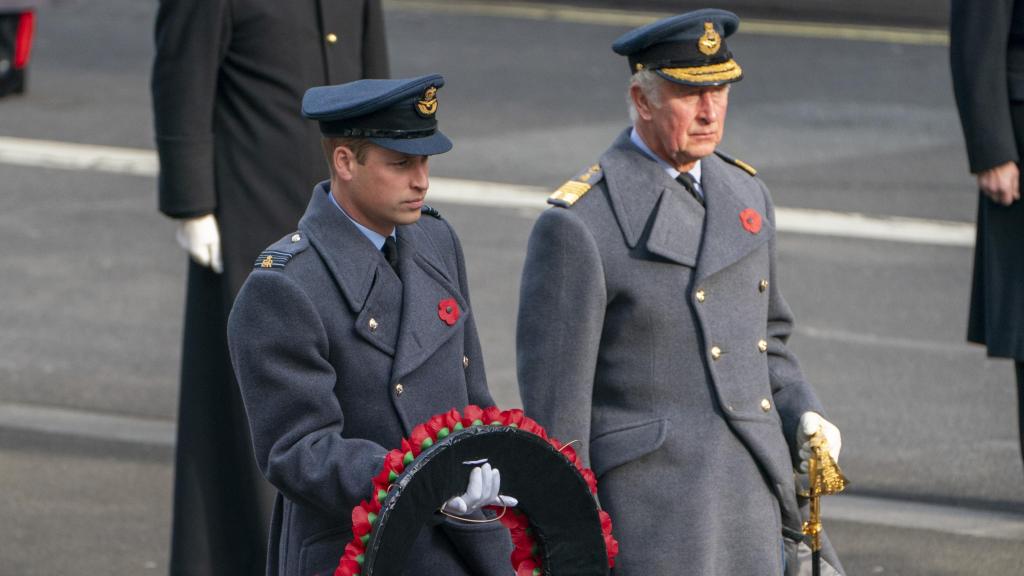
375 42
979 38
191 38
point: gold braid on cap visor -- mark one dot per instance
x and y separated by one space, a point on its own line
729 70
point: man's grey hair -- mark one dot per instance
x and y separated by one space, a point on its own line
650 84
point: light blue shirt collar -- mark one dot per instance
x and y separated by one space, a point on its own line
634 136
372 236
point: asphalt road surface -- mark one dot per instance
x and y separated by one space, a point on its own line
857 121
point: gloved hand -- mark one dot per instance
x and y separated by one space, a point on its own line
484 484
201 239
810 423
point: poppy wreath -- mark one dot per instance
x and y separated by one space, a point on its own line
527 557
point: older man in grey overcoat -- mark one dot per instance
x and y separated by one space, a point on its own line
651 327
357 327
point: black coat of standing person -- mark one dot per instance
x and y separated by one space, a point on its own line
987 60
237 164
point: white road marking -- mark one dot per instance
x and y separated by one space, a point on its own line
138 162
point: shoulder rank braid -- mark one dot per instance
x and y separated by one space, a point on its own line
570 192
737 163
272 259
279 253
430 211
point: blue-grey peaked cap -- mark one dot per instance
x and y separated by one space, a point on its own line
686 49
398 114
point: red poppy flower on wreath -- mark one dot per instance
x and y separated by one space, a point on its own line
751 220
448 311
526 554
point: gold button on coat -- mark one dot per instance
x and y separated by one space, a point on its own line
372 324
762 346
766 405
700 295
716 352
465 361
763 285
332 38
399 389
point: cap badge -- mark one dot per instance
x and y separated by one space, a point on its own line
427 106
710 42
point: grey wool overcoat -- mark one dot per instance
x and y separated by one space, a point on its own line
653 330
337 360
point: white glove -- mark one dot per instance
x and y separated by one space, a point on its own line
484 484
201 239
810 423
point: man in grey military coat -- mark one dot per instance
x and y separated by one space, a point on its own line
357 327
651 327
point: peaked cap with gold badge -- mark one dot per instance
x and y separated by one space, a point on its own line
686 49
395 114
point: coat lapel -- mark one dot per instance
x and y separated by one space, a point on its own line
641 192
425 285
372 293
726 196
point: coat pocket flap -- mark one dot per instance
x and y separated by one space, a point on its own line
618 447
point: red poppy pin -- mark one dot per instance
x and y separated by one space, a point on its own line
448 311
751 220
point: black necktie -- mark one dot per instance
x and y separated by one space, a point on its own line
686 179
390 250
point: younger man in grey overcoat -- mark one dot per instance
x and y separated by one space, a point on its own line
340 349
651 327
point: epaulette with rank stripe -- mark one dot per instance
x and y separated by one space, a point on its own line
272 259
570 192
737 163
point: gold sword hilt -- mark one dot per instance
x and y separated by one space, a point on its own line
824 478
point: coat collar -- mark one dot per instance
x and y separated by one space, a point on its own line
426 283
345 251
371 290
728 192
709 237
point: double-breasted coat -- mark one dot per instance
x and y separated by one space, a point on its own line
338 359
227 85
652 329
987 62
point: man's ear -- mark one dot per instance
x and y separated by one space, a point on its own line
343 159
641 102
